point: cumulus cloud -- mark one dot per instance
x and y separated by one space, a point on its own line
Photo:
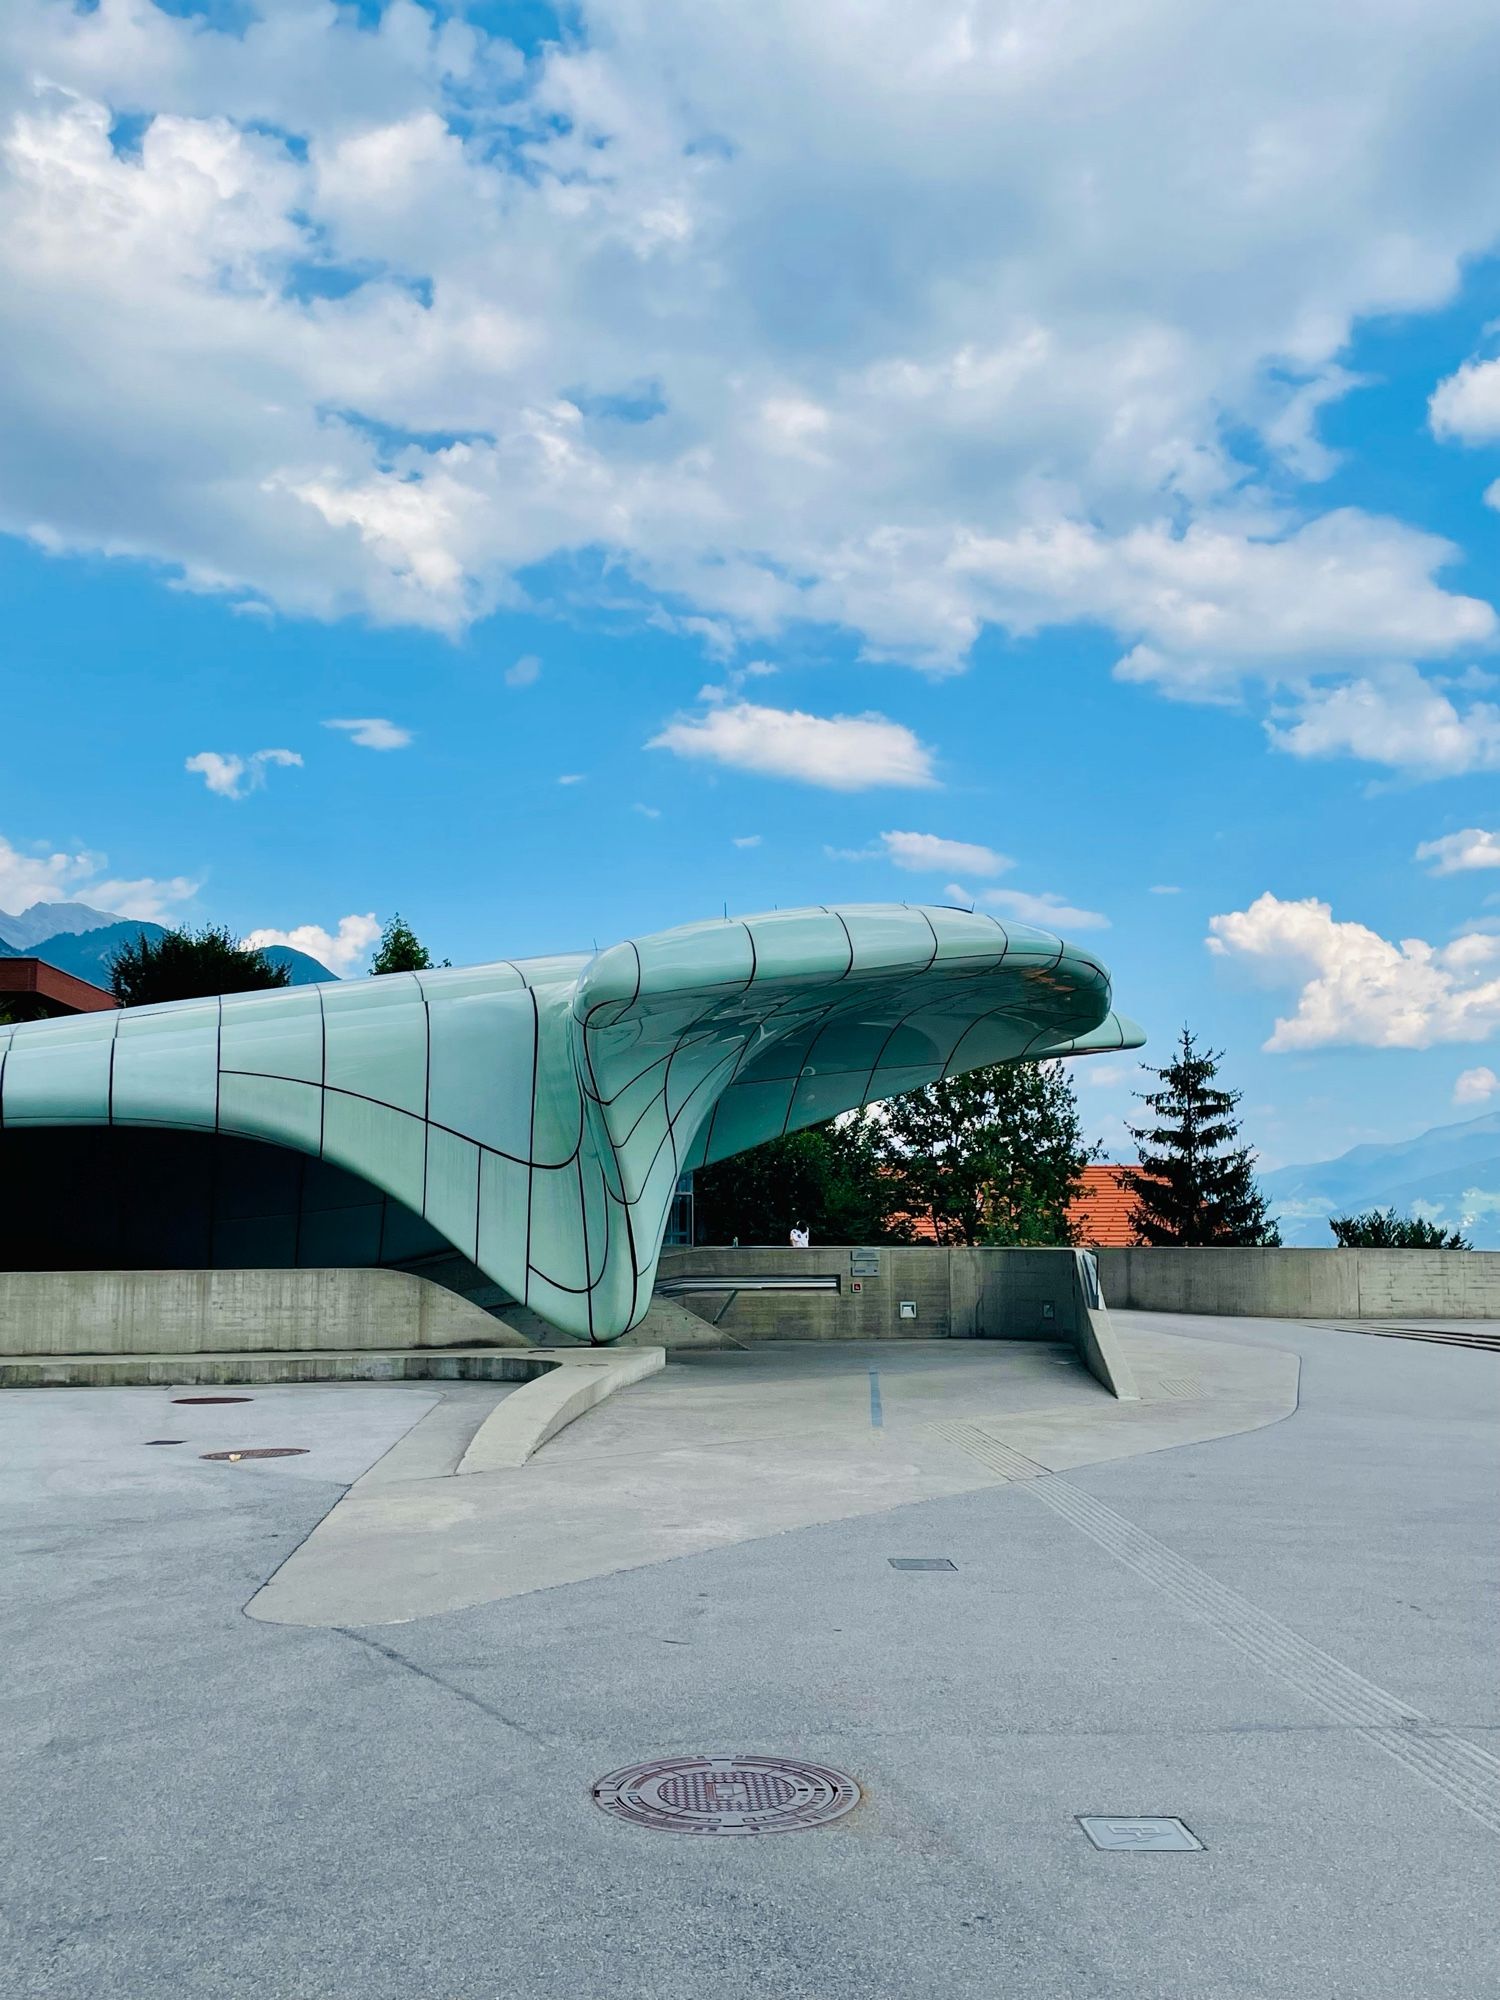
234 777
930 854
747 840
373 732
1466 407
1397 718
1475 1086
387 348
1455 853
1049 912
40 877
525 673
340 950
842 753
1356 987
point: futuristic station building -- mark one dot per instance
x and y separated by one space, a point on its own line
533 1116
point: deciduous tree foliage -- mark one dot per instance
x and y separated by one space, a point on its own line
829 1177
190 965
1193 1184
401 950
1383 1229
995 1156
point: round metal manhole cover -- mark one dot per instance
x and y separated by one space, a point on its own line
259 1451
213 1399
734 1795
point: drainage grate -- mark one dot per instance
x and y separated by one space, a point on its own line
166 1440
920 1562
733 1795
1140 1836
259 1451
213 1399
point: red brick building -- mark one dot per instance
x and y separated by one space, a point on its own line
32 990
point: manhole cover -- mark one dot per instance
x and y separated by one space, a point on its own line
727 1795
260 1451
213 1399
1141 1835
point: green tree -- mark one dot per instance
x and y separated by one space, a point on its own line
190 965
996 1156
1193 1184
401 950
830 1177
1383 1229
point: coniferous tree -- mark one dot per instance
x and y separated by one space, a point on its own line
190 965
401 950
1193 1184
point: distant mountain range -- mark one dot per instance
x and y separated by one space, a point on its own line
1450 1175
82 941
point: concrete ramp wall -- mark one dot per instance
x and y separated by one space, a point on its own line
1305 1284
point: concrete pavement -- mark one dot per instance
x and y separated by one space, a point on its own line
199 1804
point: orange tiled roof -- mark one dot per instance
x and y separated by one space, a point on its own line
1102 1213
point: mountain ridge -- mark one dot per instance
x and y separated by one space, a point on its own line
1449 1174
86 950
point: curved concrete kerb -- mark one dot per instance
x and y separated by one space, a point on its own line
530 1415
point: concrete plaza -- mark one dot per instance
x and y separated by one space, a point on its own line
1281 1635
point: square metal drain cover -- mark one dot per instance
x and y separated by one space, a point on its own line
920 1562
1145 1835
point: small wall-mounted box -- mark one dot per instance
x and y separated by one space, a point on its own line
908 1308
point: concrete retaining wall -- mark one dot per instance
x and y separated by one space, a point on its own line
1306 1284
235 1312
958 1294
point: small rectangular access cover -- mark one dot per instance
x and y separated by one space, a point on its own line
1143 1834
920 1562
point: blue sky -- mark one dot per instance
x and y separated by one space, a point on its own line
1066 438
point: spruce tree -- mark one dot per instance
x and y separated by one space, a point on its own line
1193 1183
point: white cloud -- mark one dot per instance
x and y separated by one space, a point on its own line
1050 912
526 672
1475 1086
1394 717
842 753
472 313
647 812
1165 889
341 950
27 878
1454 853
373 732
572 778
234 777
929 854
1466 406
1357 987
747 840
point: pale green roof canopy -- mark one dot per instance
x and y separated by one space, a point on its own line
538 1112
